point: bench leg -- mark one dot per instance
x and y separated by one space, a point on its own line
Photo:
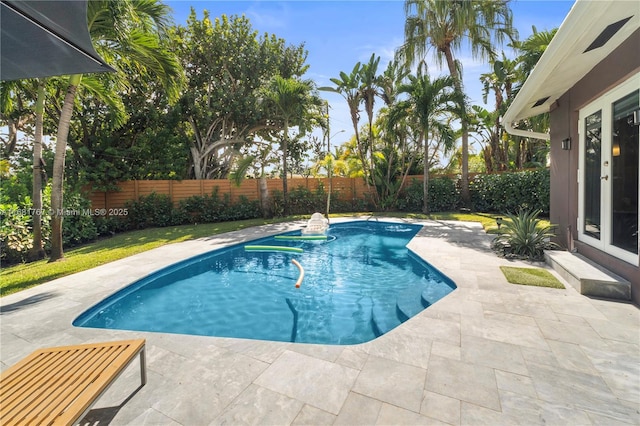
143 367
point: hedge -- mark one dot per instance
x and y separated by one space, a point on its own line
494 193
510 192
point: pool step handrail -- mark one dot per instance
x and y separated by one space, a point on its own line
301 269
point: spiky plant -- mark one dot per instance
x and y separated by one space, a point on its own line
524 237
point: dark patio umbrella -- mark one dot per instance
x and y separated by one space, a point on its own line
46 38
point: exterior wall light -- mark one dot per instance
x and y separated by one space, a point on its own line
615 149
566 144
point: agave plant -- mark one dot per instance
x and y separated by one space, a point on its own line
524 237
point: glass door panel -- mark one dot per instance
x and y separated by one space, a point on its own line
592 159
624 170
609 172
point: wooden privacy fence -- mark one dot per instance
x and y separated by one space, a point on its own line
346 189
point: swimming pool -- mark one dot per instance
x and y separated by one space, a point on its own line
359 283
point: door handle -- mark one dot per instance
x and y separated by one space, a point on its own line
604 177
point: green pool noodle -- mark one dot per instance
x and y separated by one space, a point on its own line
274 248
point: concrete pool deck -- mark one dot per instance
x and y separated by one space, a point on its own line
489 353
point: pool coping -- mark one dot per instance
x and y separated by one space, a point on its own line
490 352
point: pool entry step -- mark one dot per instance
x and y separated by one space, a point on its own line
408 304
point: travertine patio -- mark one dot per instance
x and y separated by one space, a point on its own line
489 353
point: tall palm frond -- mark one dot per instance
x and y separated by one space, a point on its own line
295 103
127 34
443 26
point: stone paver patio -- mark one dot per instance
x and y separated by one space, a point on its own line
490 353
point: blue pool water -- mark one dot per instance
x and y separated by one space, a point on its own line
359 284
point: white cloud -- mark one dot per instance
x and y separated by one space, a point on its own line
386 52
271 20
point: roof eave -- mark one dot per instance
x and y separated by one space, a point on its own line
575 31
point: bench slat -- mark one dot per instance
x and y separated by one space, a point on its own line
29 383
44 378
58 385
72 383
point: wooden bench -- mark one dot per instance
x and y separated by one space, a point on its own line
58 386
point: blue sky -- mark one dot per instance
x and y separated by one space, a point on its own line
338 34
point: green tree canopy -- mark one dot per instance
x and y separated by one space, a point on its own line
226 63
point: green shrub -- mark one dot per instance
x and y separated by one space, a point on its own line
443 195
341 205
110 225
15 233
152 210
511 191
523 237
211 208
301 201
78 226
243 209
204 209
16 224
410 198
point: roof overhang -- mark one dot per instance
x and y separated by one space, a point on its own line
589 33
46 38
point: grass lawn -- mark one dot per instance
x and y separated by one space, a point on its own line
81 258
531 276
23 276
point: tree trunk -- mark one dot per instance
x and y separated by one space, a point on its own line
264 197
12 127
330 176
457 81
376 196
464 185
285 149
425 176
37 252
197 163
57 213
354 120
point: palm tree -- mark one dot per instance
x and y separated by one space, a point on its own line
126 33
293 102
443 25
14 111
429 101
390 79
399 136
532 49
395 150
501 81
349 87
37 250
368 92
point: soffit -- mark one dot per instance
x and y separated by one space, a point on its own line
565 61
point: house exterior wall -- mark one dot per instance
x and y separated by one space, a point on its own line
621 64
